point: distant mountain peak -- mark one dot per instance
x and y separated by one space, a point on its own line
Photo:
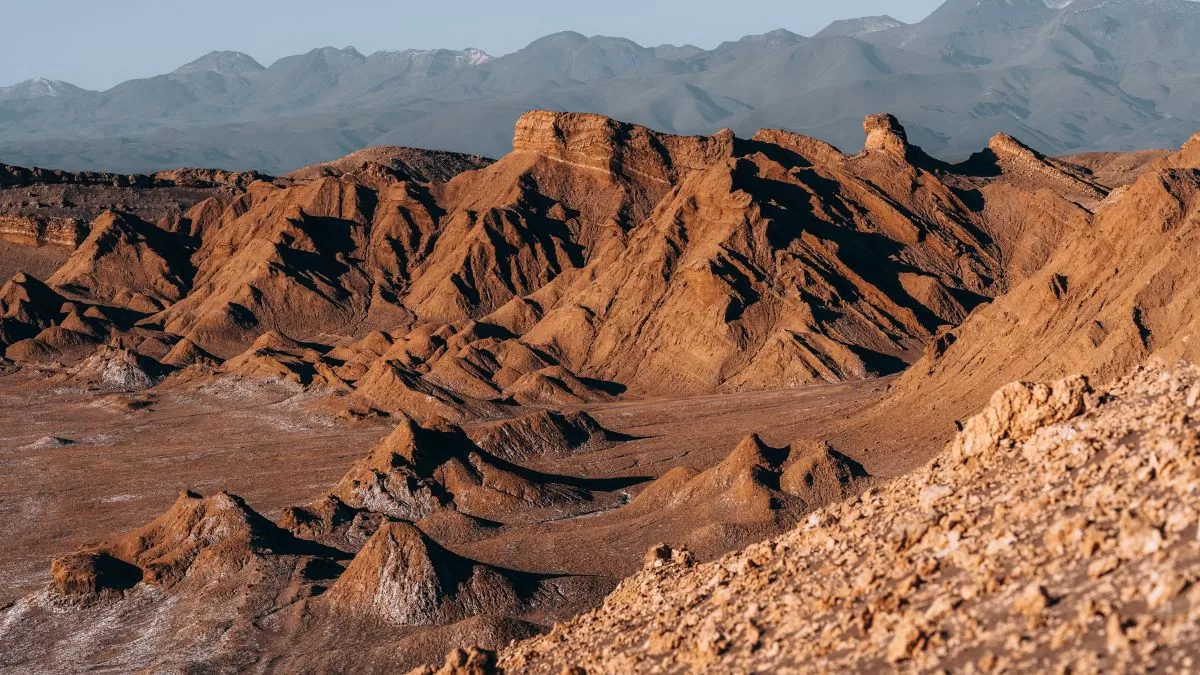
347 51
989 15
39 87
779 36
566 38
226 63
475 57
960 7
860 26
1187 7
465 57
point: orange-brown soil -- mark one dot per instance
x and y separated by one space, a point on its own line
405 400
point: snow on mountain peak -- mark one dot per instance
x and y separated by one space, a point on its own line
467 57
474 57
38 87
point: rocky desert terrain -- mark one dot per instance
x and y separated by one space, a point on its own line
617 401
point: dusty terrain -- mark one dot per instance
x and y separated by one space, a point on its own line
1056 533
448 401
130 455
78 462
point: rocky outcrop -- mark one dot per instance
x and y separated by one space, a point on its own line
404 579
67 232
886 135
1033 170
274 356
757 485
419 471
116 369
472 661
27 306
1015 412
1067 542
604 144
542 434
197 537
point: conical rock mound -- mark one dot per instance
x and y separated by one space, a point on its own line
27 306
542 434
197 536
418 470
403 578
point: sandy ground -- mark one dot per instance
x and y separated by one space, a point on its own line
268 444
127 466
16 255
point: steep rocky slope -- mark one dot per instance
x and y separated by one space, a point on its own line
1106 300
583 264
1057 532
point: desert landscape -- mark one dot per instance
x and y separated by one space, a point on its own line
617 401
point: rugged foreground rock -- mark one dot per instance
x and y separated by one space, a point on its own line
1056 533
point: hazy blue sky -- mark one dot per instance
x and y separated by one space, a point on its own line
97 44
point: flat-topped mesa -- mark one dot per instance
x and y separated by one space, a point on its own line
602 143
17 176
885 134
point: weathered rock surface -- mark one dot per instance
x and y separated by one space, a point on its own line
1056 533
581 266
496 312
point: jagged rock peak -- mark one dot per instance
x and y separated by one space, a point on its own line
1187 157
808 147
886 134
1016 156
1003 145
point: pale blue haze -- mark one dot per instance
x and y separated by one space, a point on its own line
97 44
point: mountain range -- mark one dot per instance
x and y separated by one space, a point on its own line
1063 76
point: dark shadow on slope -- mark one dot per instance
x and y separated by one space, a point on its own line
873 256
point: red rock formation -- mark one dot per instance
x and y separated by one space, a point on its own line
67 232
